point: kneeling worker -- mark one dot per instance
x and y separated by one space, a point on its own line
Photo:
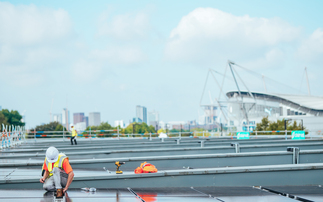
57 172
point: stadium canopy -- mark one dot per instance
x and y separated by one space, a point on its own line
306 102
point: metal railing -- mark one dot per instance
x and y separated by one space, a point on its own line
11 136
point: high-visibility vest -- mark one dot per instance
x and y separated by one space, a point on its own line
57 164
74 133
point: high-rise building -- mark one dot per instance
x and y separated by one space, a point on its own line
141 112
65 118
78 117
94 118
57 118
80 126
0 108
153 118
119 123
86 120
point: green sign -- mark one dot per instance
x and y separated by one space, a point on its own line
243 135
298 135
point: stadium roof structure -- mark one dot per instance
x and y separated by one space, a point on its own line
307 103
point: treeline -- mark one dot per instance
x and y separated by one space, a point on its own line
131 128
10 118
266 125
52 126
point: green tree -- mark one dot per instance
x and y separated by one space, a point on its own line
139 128
102 126
3 119
263 125
11 118
295 126
52 126
266 125
60 127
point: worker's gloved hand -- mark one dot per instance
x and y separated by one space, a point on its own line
42 180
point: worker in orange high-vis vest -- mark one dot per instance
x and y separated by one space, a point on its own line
57 172
74 135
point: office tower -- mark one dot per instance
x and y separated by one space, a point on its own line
0 108
66 118
78 117
141 112
86 120
57 118
94 118
119 123
153 118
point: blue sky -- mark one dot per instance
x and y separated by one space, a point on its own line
110 56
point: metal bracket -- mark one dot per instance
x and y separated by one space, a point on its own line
178 141
295 151
236 146
202 143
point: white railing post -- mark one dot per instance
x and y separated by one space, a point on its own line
90 135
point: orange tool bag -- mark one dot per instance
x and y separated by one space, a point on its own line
146 168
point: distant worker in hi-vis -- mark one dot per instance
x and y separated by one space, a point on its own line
57 172
74 135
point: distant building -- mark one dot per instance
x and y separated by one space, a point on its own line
305 108
141 113
57 118
86 120
119 123
78 117
153 118
23 119
0 108
65 118
135 119
80 126
94 118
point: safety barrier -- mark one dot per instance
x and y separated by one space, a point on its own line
11 136
194 134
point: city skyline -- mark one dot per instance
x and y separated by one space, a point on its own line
90 58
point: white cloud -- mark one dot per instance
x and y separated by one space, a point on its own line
32 41
312 48
207 33
124 27
125 55
85 70
98 62
273 58
29 25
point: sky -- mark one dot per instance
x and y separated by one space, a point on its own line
109 56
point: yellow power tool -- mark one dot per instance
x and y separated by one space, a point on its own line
118 164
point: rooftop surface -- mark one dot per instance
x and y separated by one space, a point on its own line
210 184
187 194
